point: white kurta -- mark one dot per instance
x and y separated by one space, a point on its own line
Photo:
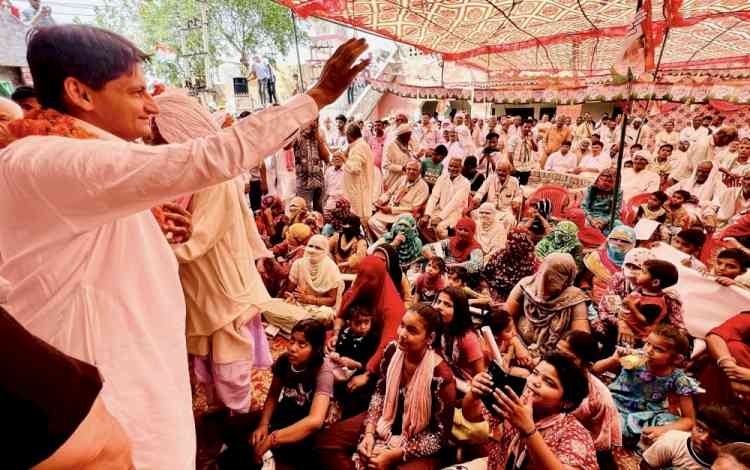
448 199
394 161
359 178
93 275
634 183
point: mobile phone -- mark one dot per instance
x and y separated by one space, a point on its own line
499 380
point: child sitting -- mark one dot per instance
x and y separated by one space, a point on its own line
511 347
677 214
731 268
646 381
355 345
690 241
715 426
431 282
648 305
458 277
597 412
653 209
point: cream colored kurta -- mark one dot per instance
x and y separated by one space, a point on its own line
218 274
394 161
359 178
402 198
93 275
448 199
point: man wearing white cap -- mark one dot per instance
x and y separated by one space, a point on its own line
396 155
426 136
638 179
668 135
636 133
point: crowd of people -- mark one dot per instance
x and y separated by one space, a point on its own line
438 307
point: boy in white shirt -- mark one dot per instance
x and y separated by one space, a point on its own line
562 161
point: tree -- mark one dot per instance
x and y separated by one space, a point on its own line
238 26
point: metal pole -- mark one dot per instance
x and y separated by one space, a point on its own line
620 154
296 45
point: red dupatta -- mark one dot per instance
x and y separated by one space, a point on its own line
460 248
374 287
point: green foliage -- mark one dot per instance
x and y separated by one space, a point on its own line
236 27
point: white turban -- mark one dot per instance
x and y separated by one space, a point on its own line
182 117
403 129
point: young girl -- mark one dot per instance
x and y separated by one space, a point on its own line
297 401
430 283
645 383
460 344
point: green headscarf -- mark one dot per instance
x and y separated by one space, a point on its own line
409 249
562 239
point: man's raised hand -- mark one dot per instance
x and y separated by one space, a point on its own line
339 72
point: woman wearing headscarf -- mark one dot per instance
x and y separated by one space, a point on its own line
348 245
490 234
275 271
546 304
404 236
388 254
271 220
223 289
605 262
562 239
315 281
462 249
296 210
508 266
374 290
334 217
597 202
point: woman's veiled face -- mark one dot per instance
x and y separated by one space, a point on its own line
412 336
486 216
444 305
553 283
620 246
544 388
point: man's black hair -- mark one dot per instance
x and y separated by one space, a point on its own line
22 93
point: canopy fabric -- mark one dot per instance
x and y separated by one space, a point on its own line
579 37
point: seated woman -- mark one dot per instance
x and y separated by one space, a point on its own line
562 239
461 249
546 305
491 234
543 435
314 289
348 245
607 261
388 254
729 348
505 268
295 407
597 202
460 344
409 418
275 271
373 290
597 412
271 220
296 211
404 237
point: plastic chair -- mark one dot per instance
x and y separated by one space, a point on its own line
631 208
558 196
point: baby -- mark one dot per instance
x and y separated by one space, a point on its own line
355 345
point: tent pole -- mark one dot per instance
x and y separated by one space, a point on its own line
620 154
296 46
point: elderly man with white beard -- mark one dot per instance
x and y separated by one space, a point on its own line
408 194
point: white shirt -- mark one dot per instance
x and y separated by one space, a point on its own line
664 137
560 163
600 162
335 140
425 138
334 182
691 134
672 450
633 183
448 196
94 276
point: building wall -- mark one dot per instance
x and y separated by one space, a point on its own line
390 104
12 41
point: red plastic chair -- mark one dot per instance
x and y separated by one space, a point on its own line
558 196
631 208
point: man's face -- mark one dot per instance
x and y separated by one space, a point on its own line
701 174
733 146
425 120
587 117
706 121
454 167
453 136
502 173
337 162
458 120
517 121
527 128
639 163
718 121
378 128
412 171
585 146
665 153
683 146
744 150
596 148
696 122
611 124
579 120
492 143
123 107
676 200
492 122
669 126
401 119
564 149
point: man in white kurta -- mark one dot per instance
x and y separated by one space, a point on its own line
449 197
503 191
92 273
358 174
638 180
396 155
407 195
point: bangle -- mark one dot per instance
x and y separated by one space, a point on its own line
273 439
724 358
526 435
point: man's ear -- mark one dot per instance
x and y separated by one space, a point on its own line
77 95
